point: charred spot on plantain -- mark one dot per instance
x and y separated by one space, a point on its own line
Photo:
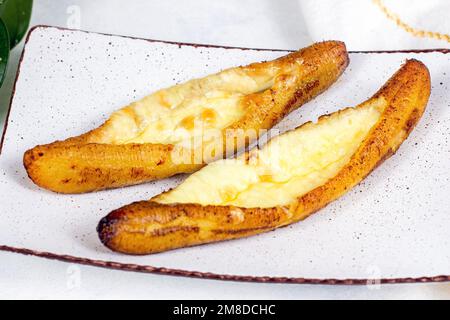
240 231
412 120
170 230
389 153
300 93
118 214
65 181
311 85
29 157
169 147
137 172
106 230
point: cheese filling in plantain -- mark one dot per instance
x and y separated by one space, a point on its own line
287 167
178 113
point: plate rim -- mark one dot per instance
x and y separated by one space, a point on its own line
190 273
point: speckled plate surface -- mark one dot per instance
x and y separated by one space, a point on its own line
393 227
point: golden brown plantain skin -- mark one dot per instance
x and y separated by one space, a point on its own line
148 227
79 164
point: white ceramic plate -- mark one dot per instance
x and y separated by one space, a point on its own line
394 226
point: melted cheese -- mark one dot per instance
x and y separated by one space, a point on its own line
289 166
181 112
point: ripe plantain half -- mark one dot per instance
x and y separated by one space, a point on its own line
291 177
157 137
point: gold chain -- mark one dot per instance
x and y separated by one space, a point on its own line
415 32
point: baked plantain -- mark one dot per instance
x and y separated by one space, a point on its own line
291 177
156 137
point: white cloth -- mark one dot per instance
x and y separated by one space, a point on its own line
364 26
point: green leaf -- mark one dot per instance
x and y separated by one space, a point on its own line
4 50
14 20
16 16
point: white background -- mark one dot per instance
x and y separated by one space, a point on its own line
255 23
